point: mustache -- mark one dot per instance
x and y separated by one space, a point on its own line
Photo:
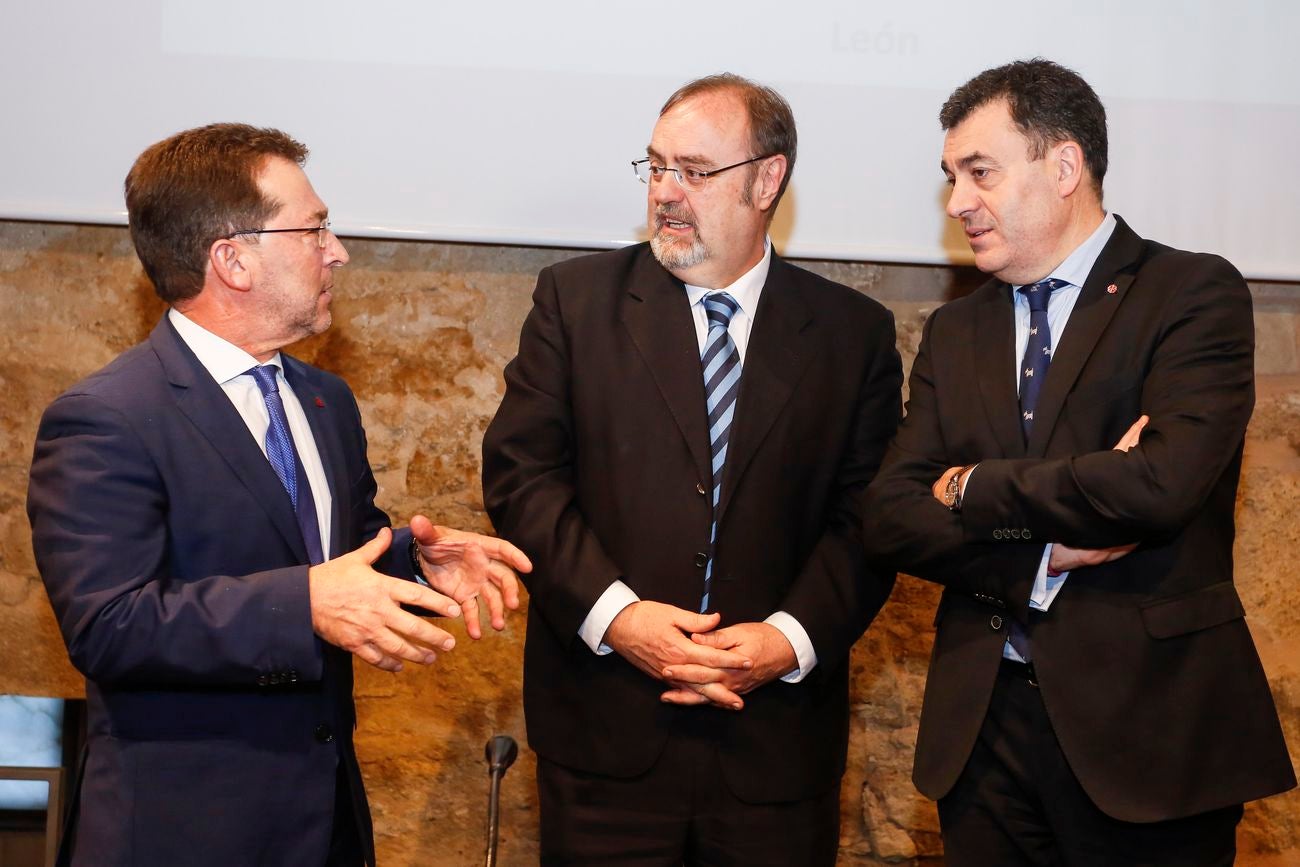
673 211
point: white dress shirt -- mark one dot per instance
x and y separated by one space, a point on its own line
229 366
746 290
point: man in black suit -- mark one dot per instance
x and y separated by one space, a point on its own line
203 517
1067 469
683 444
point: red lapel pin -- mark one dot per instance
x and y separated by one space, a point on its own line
320 403
1110 290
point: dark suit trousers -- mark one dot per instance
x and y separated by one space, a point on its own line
680 812
345 841
1018 803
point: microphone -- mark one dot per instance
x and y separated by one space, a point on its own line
500 753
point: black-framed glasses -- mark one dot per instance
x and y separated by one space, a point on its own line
320 231
687 179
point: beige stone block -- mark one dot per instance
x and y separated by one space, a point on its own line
1275 342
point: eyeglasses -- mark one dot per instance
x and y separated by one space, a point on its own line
320 231
687 179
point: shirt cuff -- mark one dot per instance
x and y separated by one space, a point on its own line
1045 586
798 638
616 597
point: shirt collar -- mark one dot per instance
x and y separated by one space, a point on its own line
745 289
221 358
1076 267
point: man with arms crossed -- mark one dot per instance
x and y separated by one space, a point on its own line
1067 470
203 517
683 444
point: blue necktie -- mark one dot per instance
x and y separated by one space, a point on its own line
284 460
721 363
1038 351
1033 370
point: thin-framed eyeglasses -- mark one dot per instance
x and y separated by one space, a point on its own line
688 179
321 231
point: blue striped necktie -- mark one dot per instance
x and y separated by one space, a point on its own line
284 460
721 363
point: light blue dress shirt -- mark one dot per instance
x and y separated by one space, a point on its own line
1074 271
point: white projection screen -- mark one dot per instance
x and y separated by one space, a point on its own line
515 122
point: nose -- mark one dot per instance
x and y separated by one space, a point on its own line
336 255
664 190
960 200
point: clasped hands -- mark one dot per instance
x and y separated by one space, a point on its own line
700 663
360 610
1064 558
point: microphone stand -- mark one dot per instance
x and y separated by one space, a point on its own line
500 753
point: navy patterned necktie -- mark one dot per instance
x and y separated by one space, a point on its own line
284 460
721 363
1033 370
1038 351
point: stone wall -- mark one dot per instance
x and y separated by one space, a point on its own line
421 331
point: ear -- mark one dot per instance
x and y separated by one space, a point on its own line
771 173
1070 167
228 261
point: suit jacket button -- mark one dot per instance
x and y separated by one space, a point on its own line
1015 534
995 623
1025 534
324 734
701 559
293 676
700 489
275 679
997 534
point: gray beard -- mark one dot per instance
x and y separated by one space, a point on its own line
675 256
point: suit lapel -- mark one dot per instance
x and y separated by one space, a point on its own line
780 346
657 317
306 385
203 401
995 368
1091 314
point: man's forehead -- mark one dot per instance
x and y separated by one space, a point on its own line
981 130
286 182
702 124
991 117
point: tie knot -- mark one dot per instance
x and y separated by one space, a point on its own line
1038 293
720 307
265 376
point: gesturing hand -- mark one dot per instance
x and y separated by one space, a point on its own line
763 643
467 567
653 637
358 609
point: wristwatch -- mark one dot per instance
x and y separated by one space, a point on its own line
414 553
952 493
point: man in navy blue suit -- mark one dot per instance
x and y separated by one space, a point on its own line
203 517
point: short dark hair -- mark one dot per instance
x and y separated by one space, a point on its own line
771 122
1048 102
199 185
